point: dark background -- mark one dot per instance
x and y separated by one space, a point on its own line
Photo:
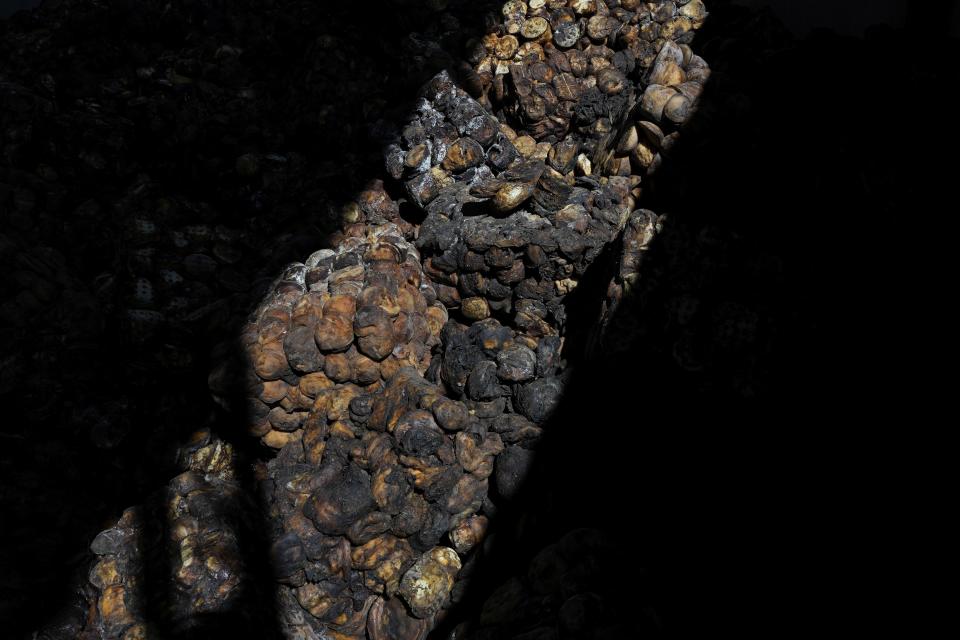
756 490
849 16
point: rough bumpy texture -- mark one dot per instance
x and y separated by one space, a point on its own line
398 429
160 163
202 508
403 377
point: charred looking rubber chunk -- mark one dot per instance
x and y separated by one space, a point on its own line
204 510
389 620
525 263
568 72
342 497
390 437
333 329
406 388
426 586
451 139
